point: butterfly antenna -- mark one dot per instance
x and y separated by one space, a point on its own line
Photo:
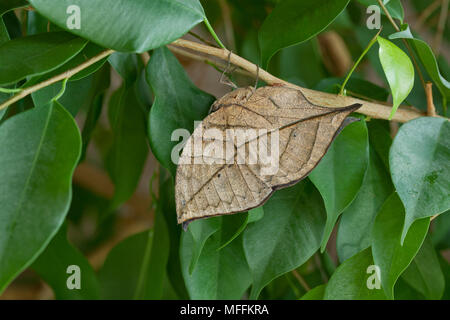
224 80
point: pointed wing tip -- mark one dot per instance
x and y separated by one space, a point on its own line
353 107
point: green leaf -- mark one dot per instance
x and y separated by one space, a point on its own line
388 253
178 103
380 139
40 149
399 71
126 158
167 202
126 262
420 168
50 50
424 273
287 236
201 230
349 281
101 82
4 35
356 222
52 266
294 21
153 271
316 293
428 60
340 173
394 7
219 274
293 67
126 25
88 52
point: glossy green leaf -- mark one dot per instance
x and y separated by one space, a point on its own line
428 60
100 83
126 158
219 274
294 21
380 139
351 278
40 149
126 25
388 253
126 263
354 233
4 35
167 202
50 50
178 103
287 236
200 231
340 173
153 271
399 71
293 67
88 52
52 266
316 293
420 168
424 273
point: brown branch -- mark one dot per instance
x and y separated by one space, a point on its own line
431 109
372 109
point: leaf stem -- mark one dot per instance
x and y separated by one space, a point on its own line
213 33
63 89
371 43
431 109
6 90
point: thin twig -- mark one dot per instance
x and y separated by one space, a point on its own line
431 109
195 56
374 110
302 281
65 75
